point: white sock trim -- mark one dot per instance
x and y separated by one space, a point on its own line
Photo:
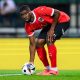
48 67
54 68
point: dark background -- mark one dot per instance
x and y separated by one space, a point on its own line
15 28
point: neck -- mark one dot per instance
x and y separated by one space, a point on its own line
32 17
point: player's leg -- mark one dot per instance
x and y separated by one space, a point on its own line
40 46
52 50
42 52
42 56
59 31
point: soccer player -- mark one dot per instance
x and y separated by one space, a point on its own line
53 24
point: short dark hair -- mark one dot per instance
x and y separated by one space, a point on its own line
24 7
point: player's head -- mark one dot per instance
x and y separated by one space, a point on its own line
25 12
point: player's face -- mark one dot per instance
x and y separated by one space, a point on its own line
25 15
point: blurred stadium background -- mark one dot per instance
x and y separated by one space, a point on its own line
14 43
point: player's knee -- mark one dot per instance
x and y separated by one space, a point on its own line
40 43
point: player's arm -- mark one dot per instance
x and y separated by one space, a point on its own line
32 44
51 31
32 47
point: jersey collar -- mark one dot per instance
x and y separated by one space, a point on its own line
34 17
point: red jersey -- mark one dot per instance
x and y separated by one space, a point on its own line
42 17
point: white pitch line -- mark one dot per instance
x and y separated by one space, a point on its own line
9 74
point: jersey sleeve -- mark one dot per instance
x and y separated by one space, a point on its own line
28 30
63 17
43 10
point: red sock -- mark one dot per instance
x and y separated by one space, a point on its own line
42 55
52 54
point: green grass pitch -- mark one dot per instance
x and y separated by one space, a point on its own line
17 75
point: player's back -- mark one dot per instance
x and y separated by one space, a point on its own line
48 12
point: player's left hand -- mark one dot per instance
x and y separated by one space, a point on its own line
50 34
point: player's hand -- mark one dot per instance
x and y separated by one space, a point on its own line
50 34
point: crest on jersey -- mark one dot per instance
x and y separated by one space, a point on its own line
40 19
